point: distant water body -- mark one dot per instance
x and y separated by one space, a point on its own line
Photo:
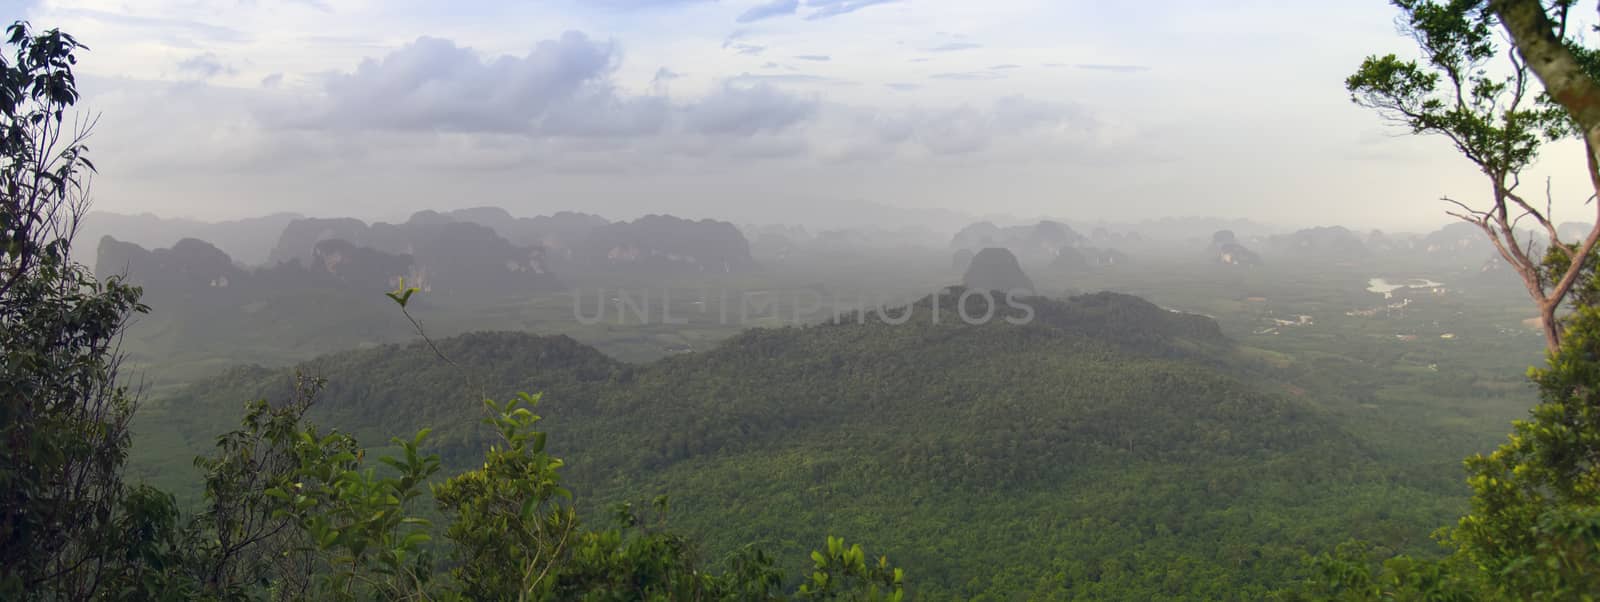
1381 285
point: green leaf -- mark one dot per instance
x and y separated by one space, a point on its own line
415 539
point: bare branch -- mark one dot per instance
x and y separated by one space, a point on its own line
1476 216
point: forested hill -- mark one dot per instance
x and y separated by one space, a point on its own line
400 388
1101 449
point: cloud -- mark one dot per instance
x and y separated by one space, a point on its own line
204 66
731 110
775 8
814 57
747 127
664 75
1014 114
785 77
834 8
734 36
958 131
954 46
563 88
1004 67
182 33
1115 68
749 49
432 84
174 127
895 128
614 117
605 115
1011 129
642 4
321 5
346 41
968 129
968 75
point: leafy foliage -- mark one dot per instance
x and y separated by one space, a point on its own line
514 515
63 416
1496 120
1535 520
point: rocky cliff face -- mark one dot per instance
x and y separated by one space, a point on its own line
1036 244
1226 249
362 268
1335 244
556 233
1456 246
248 241
460 256
962 259
300 237
996 269
582 241
487 248
1105 258
664 242
776 243
187 267
1572 231
433 251
1073 260
1236 254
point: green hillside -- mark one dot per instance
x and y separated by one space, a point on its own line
1105 448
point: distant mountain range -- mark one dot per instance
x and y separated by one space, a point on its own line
248 241
476 246
479 250
1060 248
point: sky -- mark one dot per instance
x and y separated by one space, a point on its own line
759 111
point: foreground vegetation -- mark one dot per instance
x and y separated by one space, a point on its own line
1106 437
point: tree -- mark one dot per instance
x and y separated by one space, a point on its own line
1535 520
1533 532
63 414
1498 121
514 523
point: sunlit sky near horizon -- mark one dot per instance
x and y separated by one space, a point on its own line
758 110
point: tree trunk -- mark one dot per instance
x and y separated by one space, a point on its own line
1536 39
1549 326
1546 54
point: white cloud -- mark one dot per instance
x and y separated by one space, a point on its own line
768 10
834 8
205 66
433 84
